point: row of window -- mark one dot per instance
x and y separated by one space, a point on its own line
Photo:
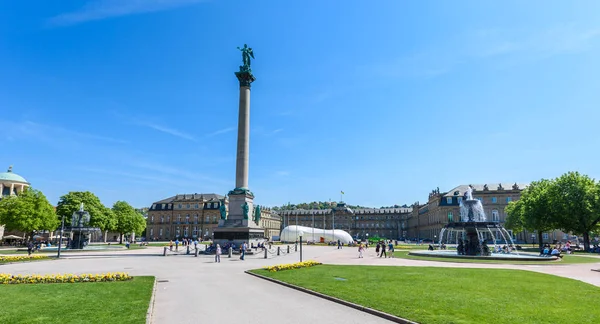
494 200
178 232
189 206
180 219
495 216
358 225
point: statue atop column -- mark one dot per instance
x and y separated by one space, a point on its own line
247 53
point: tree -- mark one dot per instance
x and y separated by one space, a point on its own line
577 203
100 216
28 212
128 220
534 210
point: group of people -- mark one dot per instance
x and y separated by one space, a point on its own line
219 251
183 242
549 251
382 248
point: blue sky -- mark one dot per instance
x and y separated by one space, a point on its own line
136 100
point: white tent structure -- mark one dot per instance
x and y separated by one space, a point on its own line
291 234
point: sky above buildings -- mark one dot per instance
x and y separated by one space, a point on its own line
137 100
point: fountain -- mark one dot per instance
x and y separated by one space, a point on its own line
469 236
80 229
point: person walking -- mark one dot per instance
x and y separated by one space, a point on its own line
242 250
391 249
29 248
377 248
218 253
383 250
361 249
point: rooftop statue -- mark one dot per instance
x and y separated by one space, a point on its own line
247 53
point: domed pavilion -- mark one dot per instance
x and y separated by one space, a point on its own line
11 183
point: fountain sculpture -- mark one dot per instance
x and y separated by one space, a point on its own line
80 229
468 234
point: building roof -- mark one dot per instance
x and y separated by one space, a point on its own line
355 211
194 196
9 176
489 187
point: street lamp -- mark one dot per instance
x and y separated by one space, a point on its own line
300 234
62 229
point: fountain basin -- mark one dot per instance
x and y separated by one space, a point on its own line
452 254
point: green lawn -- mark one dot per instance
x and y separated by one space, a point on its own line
454 295
96 302
567 259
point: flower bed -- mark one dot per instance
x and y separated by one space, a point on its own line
6 278
291 266
17 258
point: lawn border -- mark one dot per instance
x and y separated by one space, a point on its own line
150 311
365 309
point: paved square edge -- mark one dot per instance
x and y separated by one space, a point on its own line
150 311
371 311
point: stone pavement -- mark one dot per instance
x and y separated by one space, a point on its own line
193 289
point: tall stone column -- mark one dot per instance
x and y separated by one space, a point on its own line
243 140
239 225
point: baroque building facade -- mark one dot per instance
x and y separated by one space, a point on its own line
360 223
195 216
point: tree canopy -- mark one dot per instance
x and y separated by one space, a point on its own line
534 210
28 212
128 220
100 216
570 202
577 204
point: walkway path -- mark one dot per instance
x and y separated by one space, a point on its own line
197 289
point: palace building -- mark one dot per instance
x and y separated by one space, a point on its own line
360 223
195 216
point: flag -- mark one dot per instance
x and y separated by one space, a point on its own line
342 192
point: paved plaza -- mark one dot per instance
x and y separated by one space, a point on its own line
195 289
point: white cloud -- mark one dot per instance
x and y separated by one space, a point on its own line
49 133
182 173
103 9
221 131
507 46
167 130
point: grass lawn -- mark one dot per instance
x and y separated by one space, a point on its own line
453 295
95 302
567 259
